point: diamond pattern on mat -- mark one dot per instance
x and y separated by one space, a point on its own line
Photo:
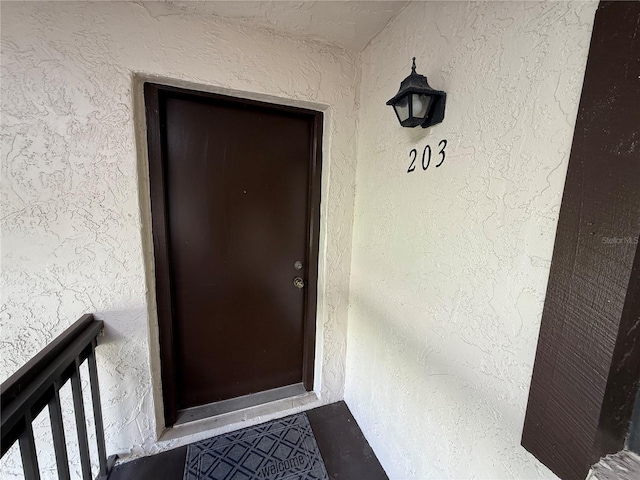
284 449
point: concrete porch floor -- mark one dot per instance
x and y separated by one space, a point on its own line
346 453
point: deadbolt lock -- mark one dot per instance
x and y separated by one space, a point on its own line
298 282
298 265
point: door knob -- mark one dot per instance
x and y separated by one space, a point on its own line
298 282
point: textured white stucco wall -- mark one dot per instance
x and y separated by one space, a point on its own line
74 234
449 266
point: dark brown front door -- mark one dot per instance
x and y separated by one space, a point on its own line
235 198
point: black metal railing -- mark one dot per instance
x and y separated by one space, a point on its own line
37 385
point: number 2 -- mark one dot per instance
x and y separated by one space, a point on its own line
412 167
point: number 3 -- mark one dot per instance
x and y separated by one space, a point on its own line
442 143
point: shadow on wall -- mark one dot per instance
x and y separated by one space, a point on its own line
408 366
124 373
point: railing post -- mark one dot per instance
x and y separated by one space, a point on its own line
28 450
81 425
97 408
37 384
57 430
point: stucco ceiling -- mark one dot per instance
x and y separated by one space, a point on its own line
349 23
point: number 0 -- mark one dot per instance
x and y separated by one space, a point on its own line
424 167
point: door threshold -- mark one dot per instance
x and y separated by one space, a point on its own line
179 435
239 403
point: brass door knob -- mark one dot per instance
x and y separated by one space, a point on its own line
298 282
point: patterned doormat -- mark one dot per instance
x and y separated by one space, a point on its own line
284 449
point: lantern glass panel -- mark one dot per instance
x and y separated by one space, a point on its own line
420 104
402 108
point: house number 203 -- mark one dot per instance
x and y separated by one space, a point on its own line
426 156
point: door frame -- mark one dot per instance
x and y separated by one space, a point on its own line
152 95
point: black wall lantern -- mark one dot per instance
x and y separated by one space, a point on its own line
416 103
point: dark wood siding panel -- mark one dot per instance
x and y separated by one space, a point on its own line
624 375
583 382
